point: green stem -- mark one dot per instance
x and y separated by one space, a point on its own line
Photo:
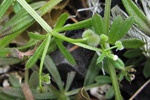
88 47
110 48
55 34
42 59
26 75
107 46
114 80
35 15
86 88
107 16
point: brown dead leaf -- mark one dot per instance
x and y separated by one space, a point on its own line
82 95
18 54
27 92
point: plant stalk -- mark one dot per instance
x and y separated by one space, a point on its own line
35 15
26 75
42 59
114 80
55 34
107 46
107 16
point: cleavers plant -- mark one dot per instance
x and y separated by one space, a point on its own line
98 32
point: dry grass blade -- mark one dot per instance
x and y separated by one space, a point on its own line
140 89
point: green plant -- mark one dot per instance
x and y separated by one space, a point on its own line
140 30
97 34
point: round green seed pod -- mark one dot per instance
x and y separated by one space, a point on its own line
41 90
119 45
92 38
103 37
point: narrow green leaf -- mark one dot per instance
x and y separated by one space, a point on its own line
9 61
133 53
6 40
110 93
65 52
48 39
14 81
14 92
4 6
120 76
115 29
52 46
61 21
103 79
44 96
48 6
128 77
36 36
49 64
22 13
119 64
92 72
100 58
34 80
6 97
146 70
15 32
88 47
32 60
29 0
16 7
82 24
17 93
139 16
18 26
4 52
30 43
97 23
70 78
133 43
35 15
123 29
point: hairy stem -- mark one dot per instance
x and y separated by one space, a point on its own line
114 80
110 66
107 16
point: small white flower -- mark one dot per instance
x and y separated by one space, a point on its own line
115 57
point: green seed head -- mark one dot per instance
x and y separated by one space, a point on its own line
92 38
41 90
119 45
103 37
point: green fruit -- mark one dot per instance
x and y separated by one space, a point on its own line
41 89
119 45
103 37
92 38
